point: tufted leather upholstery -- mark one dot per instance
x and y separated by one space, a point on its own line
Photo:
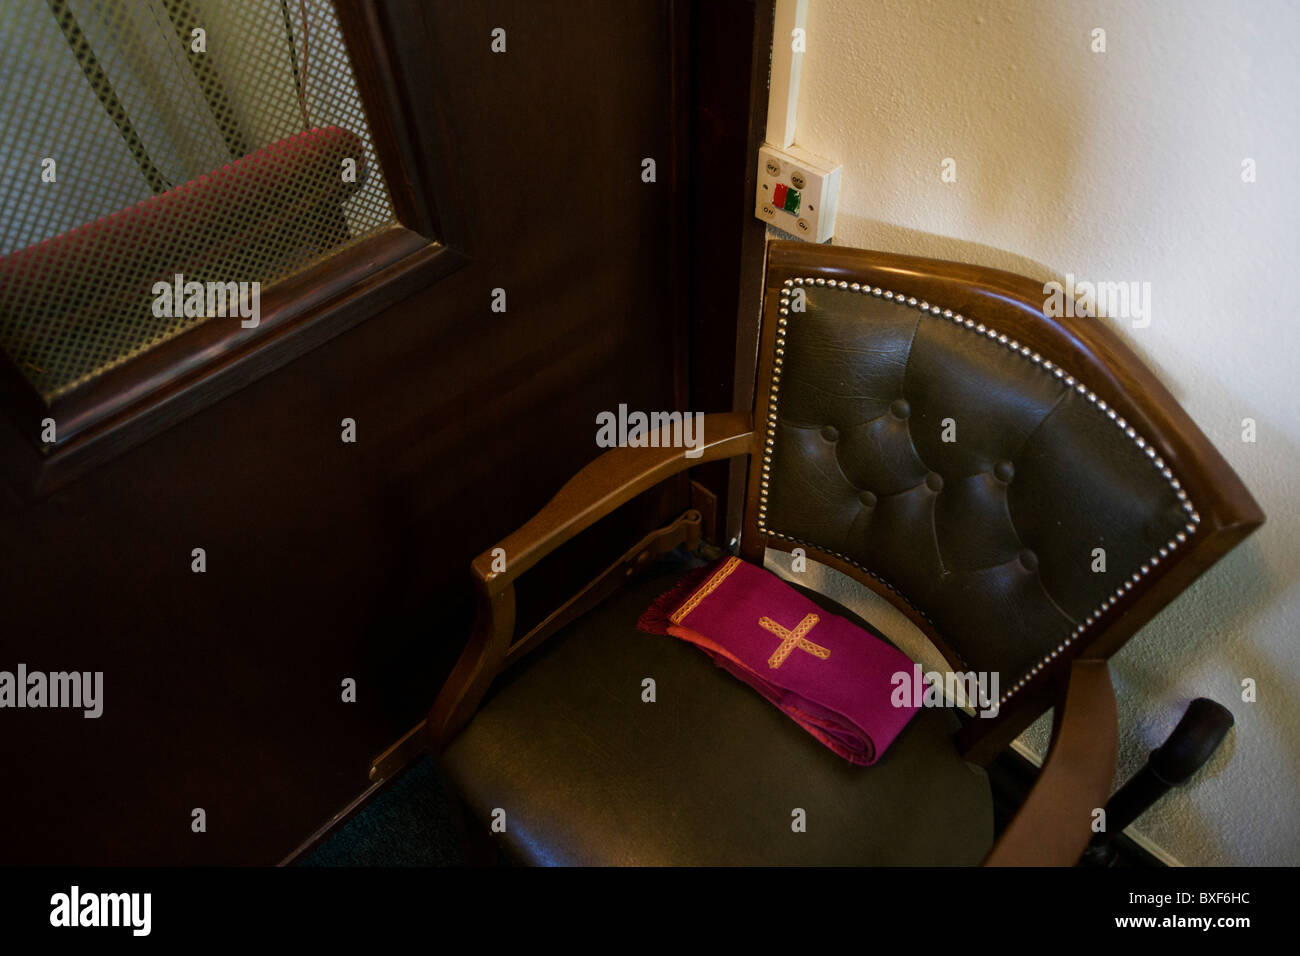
991 535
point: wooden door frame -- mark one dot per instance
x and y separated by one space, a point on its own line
731 42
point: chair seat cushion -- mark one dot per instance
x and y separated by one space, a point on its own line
709 773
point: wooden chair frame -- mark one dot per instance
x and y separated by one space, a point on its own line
1052 827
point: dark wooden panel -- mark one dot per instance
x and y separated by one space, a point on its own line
329 560
730 54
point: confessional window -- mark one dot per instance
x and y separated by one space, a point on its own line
222 143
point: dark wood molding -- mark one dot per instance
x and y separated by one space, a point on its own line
369 46
404 94
166 385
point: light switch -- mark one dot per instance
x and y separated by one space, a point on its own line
797 192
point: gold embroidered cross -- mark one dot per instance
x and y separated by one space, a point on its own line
790 639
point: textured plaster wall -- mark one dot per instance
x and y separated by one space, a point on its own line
1118 166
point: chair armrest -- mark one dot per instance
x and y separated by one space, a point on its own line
1052 828
613 479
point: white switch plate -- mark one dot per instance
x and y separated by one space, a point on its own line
817 181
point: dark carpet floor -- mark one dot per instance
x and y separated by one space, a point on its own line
412 822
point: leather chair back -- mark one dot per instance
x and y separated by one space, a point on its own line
1006 478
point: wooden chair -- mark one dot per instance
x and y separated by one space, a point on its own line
1066 448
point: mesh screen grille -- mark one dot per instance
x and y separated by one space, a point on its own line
222 157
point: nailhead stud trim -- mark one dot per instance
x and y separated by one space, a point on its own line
1023 351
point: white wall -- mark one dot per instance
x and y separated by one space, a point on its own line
1123 165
